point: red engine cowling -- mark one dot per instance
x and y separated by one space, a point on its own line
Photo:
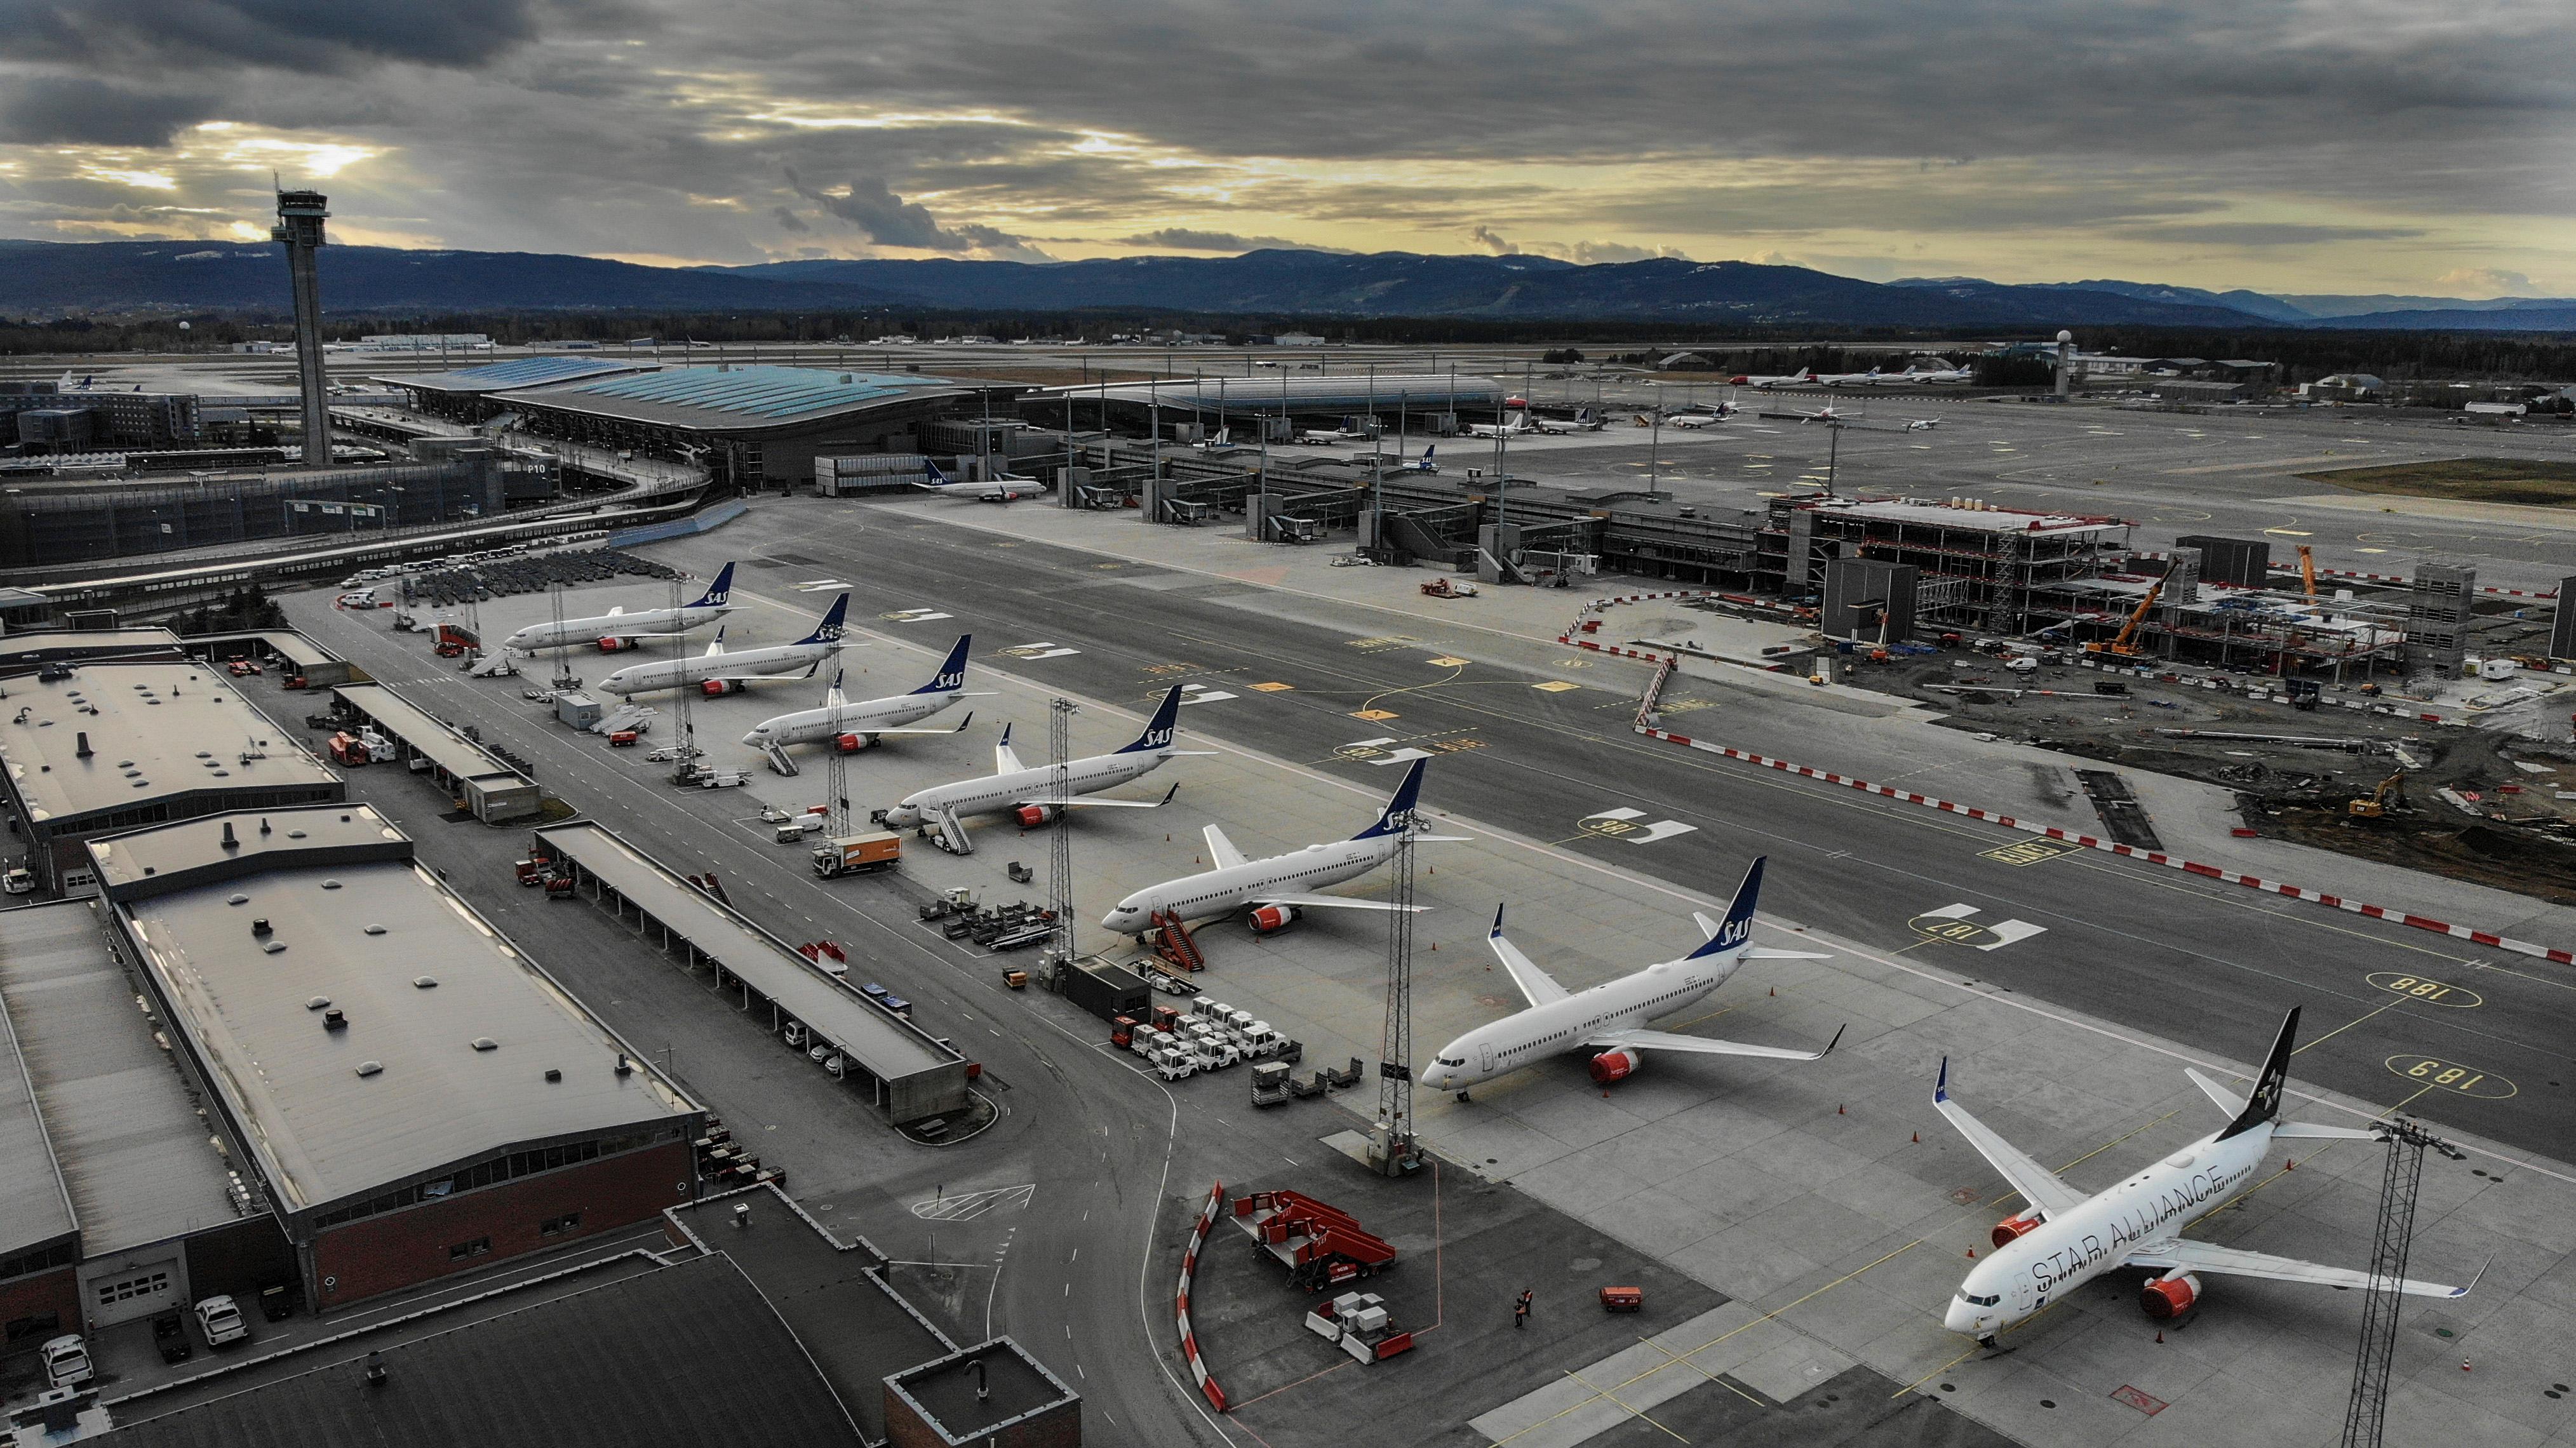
1033 815
614 645
1616 1065
1265 919
849 743
718 688
2011 1227
2170 1296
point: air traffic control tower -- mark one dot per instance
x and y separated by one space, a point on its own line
299 227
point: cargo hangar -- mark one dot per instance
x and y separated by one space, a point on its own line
279 1059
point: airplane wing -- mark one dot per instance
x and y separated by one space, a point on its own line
1702 1045
960 729
1086 802
1221 851
1331 902
2028 1177
1535 983
2191 1256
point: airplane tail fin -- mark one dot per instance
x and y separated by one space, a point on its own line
1398 814
1158 730
2265 1102
717 592
833 698
1428 449
952 674
1736 930
938 479
828 631
716 644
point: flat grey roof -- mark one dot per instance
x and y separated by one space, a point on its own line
35 1201
132 1152
363 934
459 756
37 643
832 1010
162 858
160 729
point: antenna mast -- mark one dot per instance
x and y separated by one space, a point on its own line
2366 1415
1060 713
1391 1146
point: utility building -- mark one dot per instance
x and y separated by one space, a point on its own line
110 746
407 1094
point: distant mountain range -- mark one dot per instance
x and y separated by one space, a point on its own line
50 279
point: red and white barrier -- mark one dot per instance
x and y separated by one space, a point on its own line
2152 857
1181 1308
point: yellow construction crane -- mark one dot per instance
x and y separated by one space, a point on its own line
2308 571
2121 645
2377 804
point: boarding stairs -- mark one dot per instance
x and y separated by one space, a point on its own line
778 759
1173 943
1320 1245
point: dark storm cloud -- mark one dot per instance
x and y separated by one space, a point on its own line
332 33
789 220
663 126
77 110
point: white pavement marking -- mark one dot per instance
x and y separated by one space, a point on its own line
967 1206
1767 1354
1202 694
1618 826
1040 651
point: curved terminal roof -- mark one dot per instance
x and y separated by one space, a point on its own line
516 372
729 397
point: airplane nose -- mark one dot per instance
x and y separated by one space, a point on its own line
756 737
1960 1318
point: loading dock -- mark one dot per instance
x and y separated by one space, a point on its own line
470 773
904 1071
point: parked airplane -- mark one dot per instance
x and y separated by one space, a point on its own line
1821 414
1272 893
2067 1238
1942 374
1224 438
1423 464
1717 412
1584 421
1922 424
617 629
856 726
1610 1018
718 672
1803 377
1030 793
1327 435
996 490
1515 425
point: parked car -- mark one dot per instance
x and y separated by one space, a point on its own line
171 1336
18 881
220 1319
67 1362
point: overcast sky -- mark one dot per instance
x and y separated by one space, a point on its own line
2287 145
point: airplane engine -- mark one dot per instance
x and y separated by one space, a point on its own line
1267 919
2011 1227
1033 815
1616 1065
613 645
718 688
850 743
2169 1296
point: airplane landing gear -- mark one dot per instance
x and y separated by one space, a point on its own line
1462 1095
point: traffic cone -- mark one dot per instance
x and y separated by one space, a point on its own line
1918 1138
2289 1165
1838 1110
1775 990
2464 1364
1972 1251
2160 1334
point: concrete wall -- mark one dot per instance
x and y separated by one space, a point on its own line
376 1255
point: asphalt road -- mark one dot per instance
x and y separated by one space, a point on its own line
2176 956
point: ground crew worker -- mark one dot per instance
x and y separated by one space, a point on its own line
1521 1309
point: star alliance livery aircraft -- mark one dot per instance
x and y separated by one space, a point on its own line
1610 1018
2067 1239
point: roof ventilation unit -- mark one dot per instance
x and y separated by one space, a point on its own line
259 925
486 1043
335 1019
371 1068
553 1075
82 750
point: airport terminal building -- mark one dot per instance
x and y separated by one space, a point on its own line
753 426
